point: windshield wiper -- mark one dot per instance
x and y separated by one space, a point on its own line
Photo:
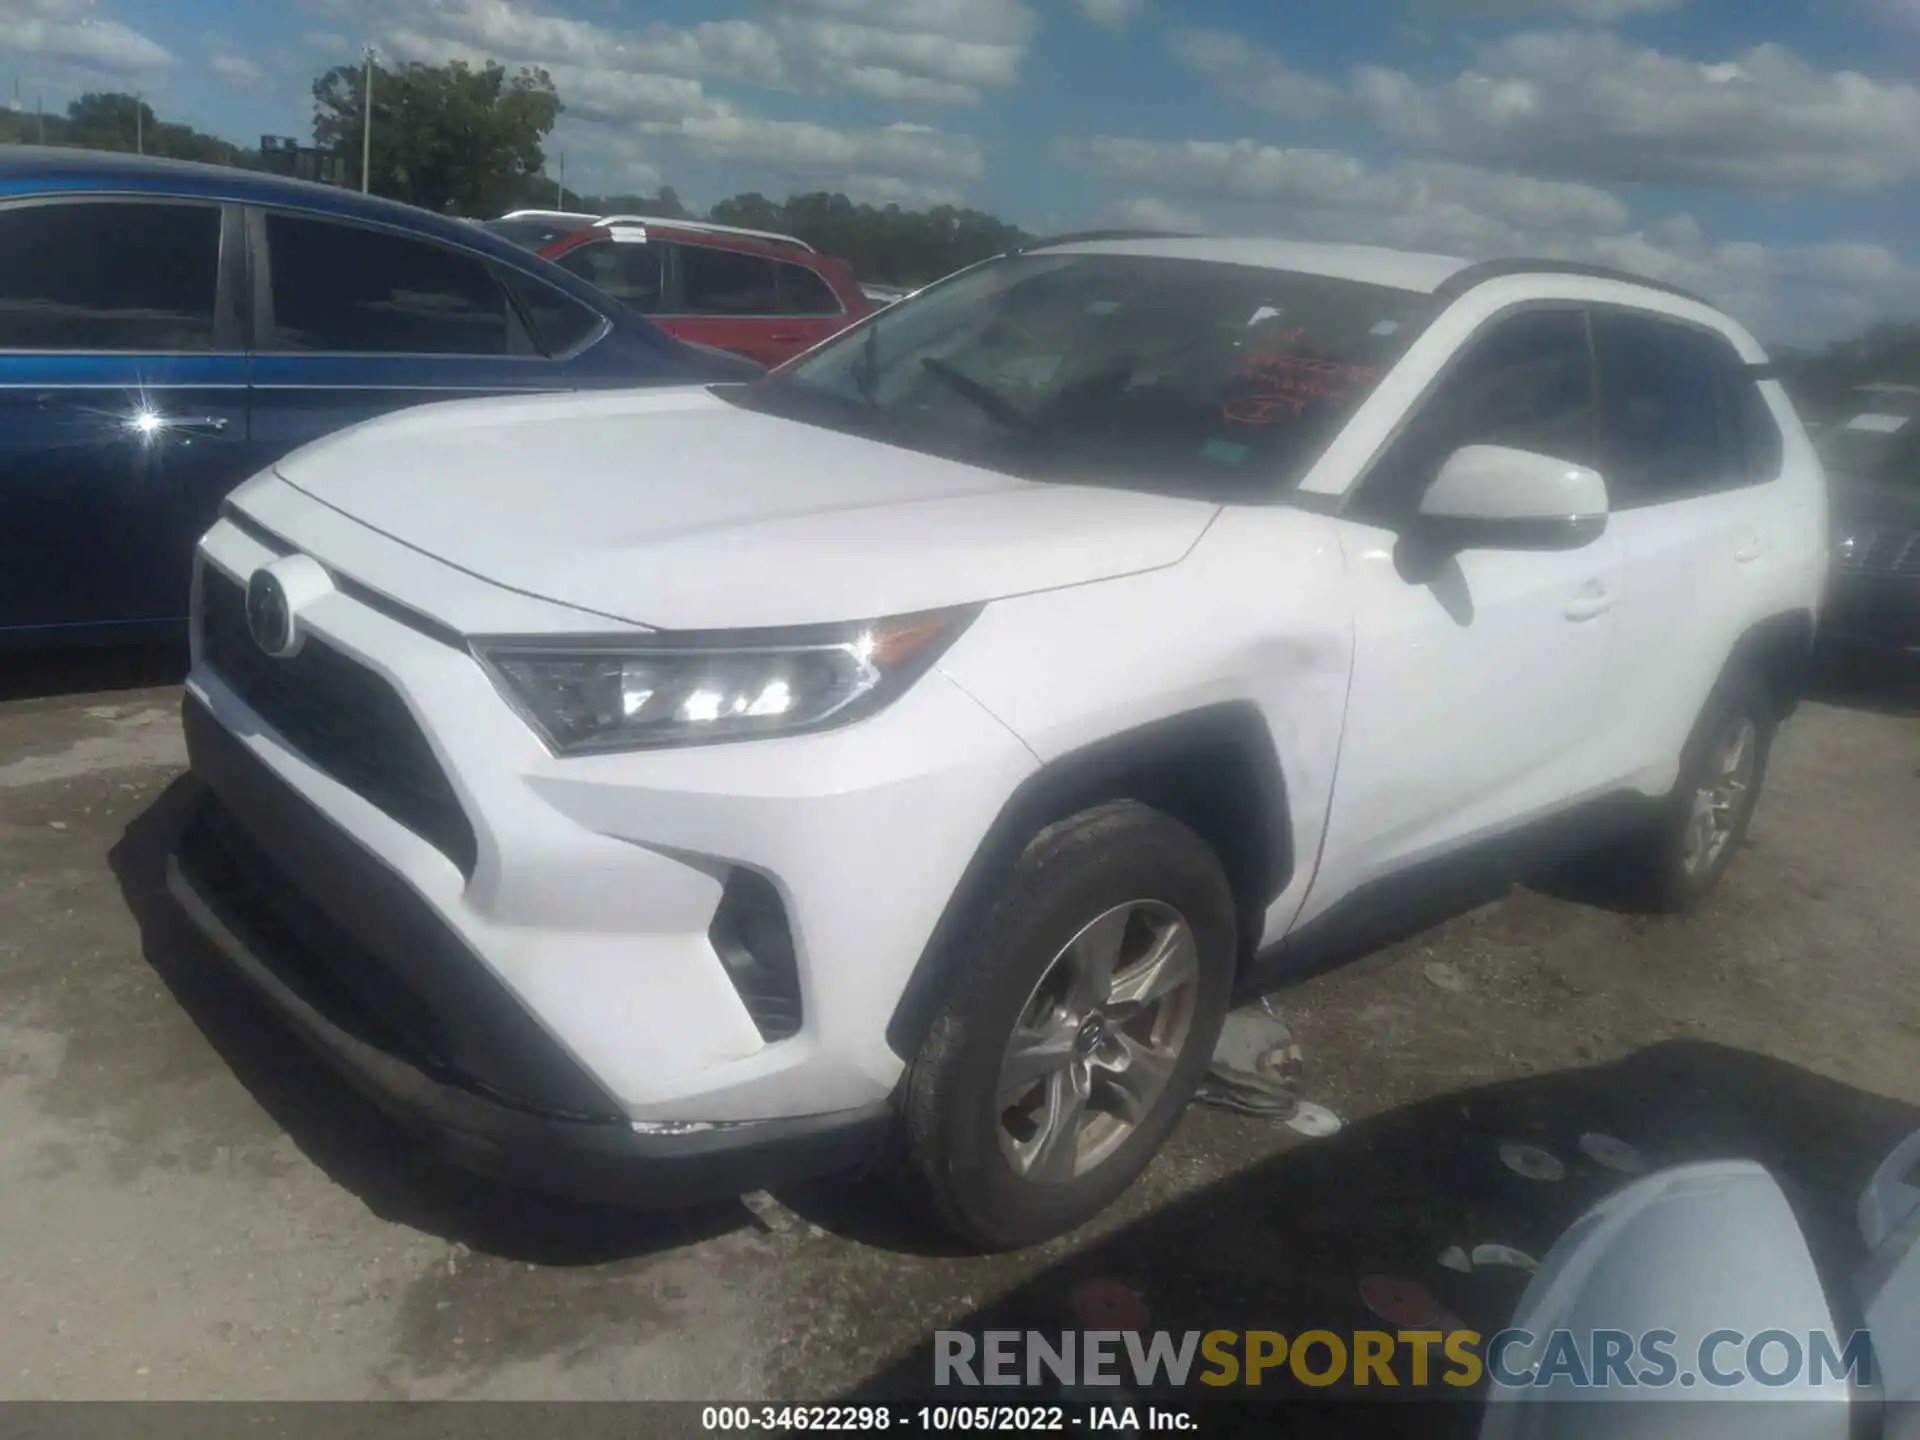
984 398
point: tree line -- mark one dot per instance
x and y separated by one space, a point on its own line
471 141
467 140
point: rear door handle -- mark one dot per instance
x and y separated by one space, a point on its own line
1751 551
1595 600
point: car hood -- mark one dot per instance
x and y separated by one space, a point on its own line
678 510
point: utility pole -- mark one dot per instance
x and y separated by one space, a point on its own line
560 200
40 114
139 126
366 129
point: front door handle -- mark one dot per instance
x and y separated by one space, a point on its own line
1751 551
1593 601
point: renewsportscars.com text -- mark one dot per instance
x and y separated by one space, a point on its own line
1391 1360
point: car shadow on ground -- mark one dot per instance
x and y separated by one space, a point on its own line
1858 682
347 1137
1284 1244
40 675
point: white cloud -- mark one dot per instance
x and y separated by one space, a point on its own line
654 84
1115 15
1597 12
1787 292
934 51
69 32
237 70
801 148
328 42
1419 203
1592 105
1252 74
1149 212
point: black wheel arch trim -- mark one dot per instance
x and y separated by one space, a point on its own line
1779 650
1246 796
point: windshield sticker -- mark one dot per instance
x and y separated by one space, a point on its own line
1265 312
1228 452
1879 424
1103 307
1385 328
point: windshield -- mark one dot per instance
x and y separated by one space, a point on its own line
1194 377
535 234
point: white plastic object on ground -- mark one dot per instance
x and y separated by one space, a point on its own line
1505 1256
1315 1121
1613 1154
1531 1162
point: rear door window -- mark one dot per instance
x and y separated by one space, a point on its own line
630 271
1668 425
349 289
122 276
726 282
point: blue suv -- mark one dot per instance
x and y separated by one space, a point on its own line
167 329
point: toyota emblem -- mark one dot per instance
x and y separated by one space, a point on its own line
270 615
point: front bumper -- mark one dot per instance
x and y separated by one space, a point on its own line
283 940
557 946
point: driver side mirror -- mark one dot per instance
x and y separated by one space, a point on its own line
1491 497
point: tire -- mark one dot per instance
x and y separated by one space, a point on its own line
1121 879
1668 869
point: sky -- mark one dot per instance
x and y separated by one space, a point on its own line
1764 152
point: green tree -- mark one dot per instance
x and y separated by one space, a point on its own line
446 137
883 244
113 121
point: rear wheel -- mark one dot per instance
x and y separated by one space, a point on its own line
1087 1010
1703 823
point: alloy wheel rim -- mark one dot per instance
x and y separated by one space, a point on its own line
1720 798
1097 1041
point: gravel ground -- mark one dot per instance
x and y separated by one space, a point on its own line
194 1209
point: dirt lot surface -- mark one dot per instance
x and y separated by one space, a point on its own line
193 1208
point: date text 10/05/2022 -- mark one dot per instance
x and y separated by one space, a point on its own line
1118 1418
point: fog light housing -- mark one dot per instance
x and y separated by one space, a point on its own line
751 936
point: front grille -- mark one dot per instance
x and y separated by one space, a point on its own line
1881 550
341 717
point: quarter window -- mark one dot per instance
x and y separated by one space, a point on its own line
726 282
802 292
351 290
109 275
1526 383
1669 424
560 322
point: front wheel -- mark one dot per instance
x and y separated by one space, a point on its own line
1088 1008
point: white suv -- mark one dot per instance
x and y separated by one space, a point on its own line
681 791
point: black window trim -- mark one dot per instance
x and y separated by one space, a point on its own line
507 276
1346 500
260 260
229 334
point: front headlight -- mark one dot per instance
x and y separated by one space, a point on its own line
589 695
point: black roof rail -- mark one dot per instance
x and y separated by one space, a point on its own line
1077 237
1472 276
